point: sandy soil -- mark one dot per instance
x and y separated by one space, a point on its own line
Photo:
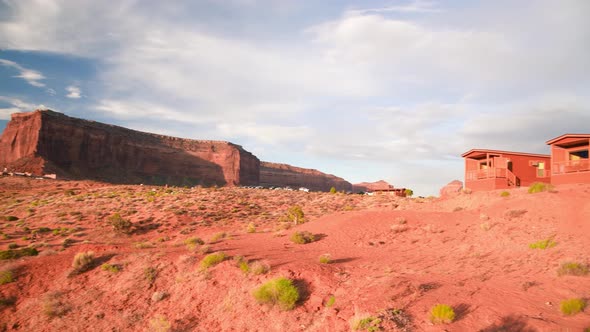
391 258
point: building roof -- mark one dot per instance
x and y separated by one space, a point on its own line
564 136
482 151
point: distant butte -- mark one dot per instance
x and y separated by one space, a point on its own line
48 142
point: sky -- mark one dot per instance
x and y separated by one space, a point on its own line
365 90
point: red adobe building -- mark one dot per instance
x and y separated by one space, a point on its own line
495 169
569 159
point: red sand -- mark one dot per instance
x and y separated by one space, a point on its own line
470 252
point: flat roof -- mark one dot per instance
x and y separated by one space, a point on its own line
473 151
559 138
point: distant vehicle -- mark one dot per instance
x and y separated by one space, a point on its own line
304 189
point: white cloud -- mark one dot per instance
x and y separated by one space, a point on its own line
17 106
73 92
31 76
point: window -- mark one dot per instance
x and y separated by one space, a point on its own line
580 154
541 169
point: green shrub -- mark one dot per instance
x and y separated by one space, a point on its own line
53 306
538 187
371 324
83 261
279 291
543 244
110 268
10 218
12 246
572 306
6 276
251 228
120 225
325 259
573 269
505 194
150 274
18 253
212 260
333 190
331 300
296 215
302 237
244 266
218 236
192 242
409 192
442 313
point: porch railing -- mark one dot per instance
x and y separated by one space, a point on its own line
571 166
491 173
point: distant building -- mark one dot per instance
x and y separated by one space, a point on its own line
569 159
495 169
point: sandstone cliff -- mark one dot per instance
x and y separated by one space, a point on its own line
50 142
273 174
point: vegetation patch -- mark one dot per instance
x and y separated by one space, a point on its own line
442 314
251 228
10 218
573 269
259 267
505 194
110 268
212 260
192 242
217 237
331 301
53 306
279 291
159 324
325 259
543 244
18 253
83 261
572 306
295 214
302 237
371 324
6 276
150 274
538 187
120 225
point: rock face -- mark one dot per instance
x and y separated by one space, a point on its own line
453 188
273 174
43 142
371 186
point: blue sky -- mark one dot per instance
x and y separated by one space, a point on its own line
366 90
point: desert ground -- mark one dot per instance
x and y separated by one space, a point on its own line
377 263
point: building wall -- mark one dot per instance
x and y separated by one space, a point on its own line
567 178
560 155
487 184
522 168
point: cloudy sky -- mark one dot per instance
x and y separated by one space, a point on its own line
366 90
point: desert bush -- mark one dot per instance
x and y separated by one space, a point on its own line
572 306
192 242
120 225
325 259
110 268
10 218
259 267
279 291
295 214
302 237
331 300
83 261
442 313
12 246
159 324
333 190
409 192
505 194
18 253
370 323
573 269
212 260
538 187
67 242
150 274
543 244
7 301
53 306
6 276
251 228
205 249
217 236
